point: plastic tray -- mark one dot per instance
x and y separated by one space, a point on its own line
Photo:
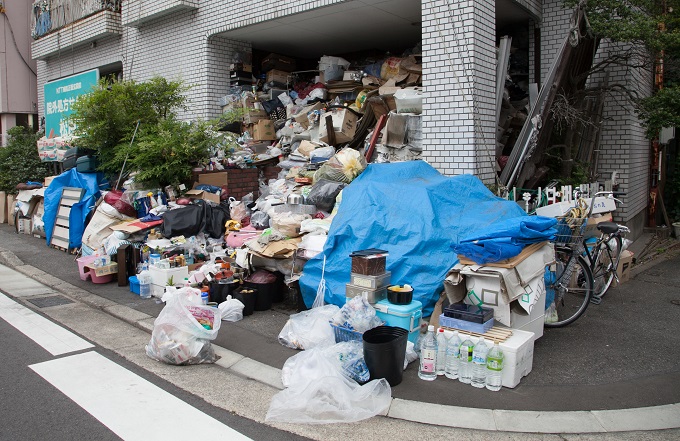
470 313
477 328
344 334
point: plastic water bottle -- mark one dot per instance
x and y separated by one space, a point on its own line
144 278
494 368
428 356
452 357
441 352
465 366
479 364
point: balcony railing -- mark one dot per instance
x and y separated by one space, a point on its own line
51 15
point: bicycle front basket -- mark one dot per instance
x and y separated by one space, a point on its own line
570 229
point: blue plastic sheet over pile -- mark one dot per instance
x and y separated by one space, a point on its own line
413 212
91 182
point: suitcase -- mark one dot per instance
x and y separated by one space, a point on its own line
86 164
71 156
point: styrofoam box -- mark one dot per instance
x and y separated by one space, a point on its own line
518 353
602 205
161 277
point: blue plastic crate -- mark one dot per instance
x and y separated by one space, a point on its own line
464 325
344 334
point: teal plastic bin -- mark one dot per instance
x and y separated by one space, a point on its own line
401 316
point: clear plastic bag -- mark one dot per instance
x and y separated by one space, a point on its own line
357 314
318 392
308 329
182 333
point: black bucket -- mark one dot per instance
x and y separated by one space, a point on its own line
265 294
220 291
247 296
384 352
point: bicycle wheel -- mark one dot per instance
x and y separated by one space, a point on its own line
573 288
603 274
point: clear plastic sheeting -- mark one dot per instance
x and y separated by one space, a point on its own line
319 393
415 213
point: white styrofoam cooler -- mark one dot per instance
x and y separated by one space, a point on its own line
518 352
160 278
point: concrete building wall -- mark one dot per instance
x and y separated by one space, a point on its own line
17 68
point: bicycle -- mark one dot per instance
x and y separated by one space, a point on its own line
604 254
570 278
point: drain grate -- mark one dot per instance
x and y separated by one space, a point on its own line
46 302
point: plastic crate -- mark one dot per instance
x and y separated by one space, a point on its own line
134 284
344 334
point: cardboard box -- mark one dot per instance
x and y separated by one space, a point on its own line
48 180
252 116
218 179
301 116
11 209
99 271
279 62
24 225
591 227
3 207
518 352
625 264
202 194
344 125
278 76
263 130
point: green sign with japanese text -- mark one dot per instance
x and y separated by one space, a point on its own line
59 98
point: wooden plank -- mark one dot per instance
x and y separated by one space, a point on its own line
60 231
496 333
64 211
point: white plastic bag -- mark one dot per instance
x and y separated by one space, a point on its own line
318 393
182 333
231 310
308 329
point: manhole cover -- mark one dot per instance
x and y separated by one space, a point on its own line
46 302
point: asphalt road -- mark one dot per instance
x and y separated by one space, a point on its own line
620 354
31 408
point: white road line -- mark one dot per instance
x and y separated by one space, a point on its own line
130 406
55 339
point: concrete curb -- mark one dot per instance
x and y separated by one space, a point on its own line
493 420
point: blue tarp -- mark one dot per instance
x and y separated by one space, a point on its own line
91 182
412 211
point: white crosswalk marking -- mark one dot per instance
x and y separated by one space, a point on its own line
129 405
55 339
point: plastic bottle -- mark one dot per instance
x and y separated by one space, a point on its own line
441 351
479 364
428 356
452 356
465 366
144 278
204 297
494 368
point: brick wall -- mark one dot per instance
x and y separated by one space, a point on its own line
239 181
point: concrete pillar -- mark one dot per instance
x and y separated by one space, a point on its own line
459 61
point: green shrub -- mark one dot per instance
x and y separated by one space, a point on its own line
19 160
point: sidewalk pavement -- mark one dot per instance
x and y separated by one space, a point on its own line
613 370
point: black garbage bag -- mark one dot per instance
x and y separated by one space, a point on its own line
216 217
187 221
323 194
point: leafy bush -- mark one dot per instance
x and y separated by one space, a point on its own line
19 160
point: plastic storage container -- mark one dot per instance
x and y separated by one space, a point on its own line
370 262
464 325
402 316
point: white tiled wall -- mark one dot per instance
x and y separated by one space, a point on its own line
459 58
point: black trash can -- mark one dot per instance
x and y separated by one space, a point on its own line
247 296
384 352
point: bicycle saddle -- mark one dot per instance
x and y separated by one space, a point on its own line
608 227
